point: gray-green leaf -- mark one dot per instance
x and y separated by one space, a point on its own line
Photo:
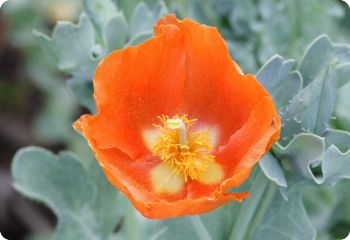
339 138
343 74
83 91
72 47
143 18
278 78
324 68
320 54
311 159
115 33
286 219
100 12
110 24
272 170
342 112
304 151
335 166
84 202
312 108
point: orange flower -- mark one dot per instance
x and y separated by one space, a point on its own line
178 124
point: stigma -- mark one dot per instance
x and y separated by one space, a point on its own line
184 150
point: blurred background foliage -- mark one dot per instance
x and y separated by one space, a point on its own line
38 105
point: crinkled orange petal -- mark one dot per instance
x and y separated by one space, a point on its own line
245 147
215 90
134 86
132 178
186 69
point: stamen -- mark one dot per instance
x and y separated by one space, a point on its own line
185 151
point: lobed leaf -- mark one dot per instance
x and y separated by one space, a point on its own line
311 159
280 80
304 151
100 12
312 108
72 47
84 202
110 24
324 68
335 166
320 54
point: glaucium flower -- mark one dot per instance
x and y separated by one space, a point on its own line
178 124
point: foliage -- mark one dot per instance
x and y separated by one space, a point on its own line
86 205
291 193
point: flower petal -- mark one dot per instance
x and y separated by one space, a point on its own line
249 144
132 87
160 210
246 146
164 180
215 90
150 136
213 174
133 178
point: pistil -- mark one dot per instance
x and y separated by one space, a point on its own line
179 125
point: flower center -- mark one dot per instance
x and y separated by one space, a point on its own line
185 151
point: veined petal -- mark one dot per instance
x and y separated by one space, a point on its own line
215 90
247 145
134 86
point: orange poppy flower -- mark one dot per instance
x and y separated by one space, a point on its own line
178 124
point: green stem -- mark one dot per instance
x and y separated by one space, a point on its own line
199 228
249 207
271 191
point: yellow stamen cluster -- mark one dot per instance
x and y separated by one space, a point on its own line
190 157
